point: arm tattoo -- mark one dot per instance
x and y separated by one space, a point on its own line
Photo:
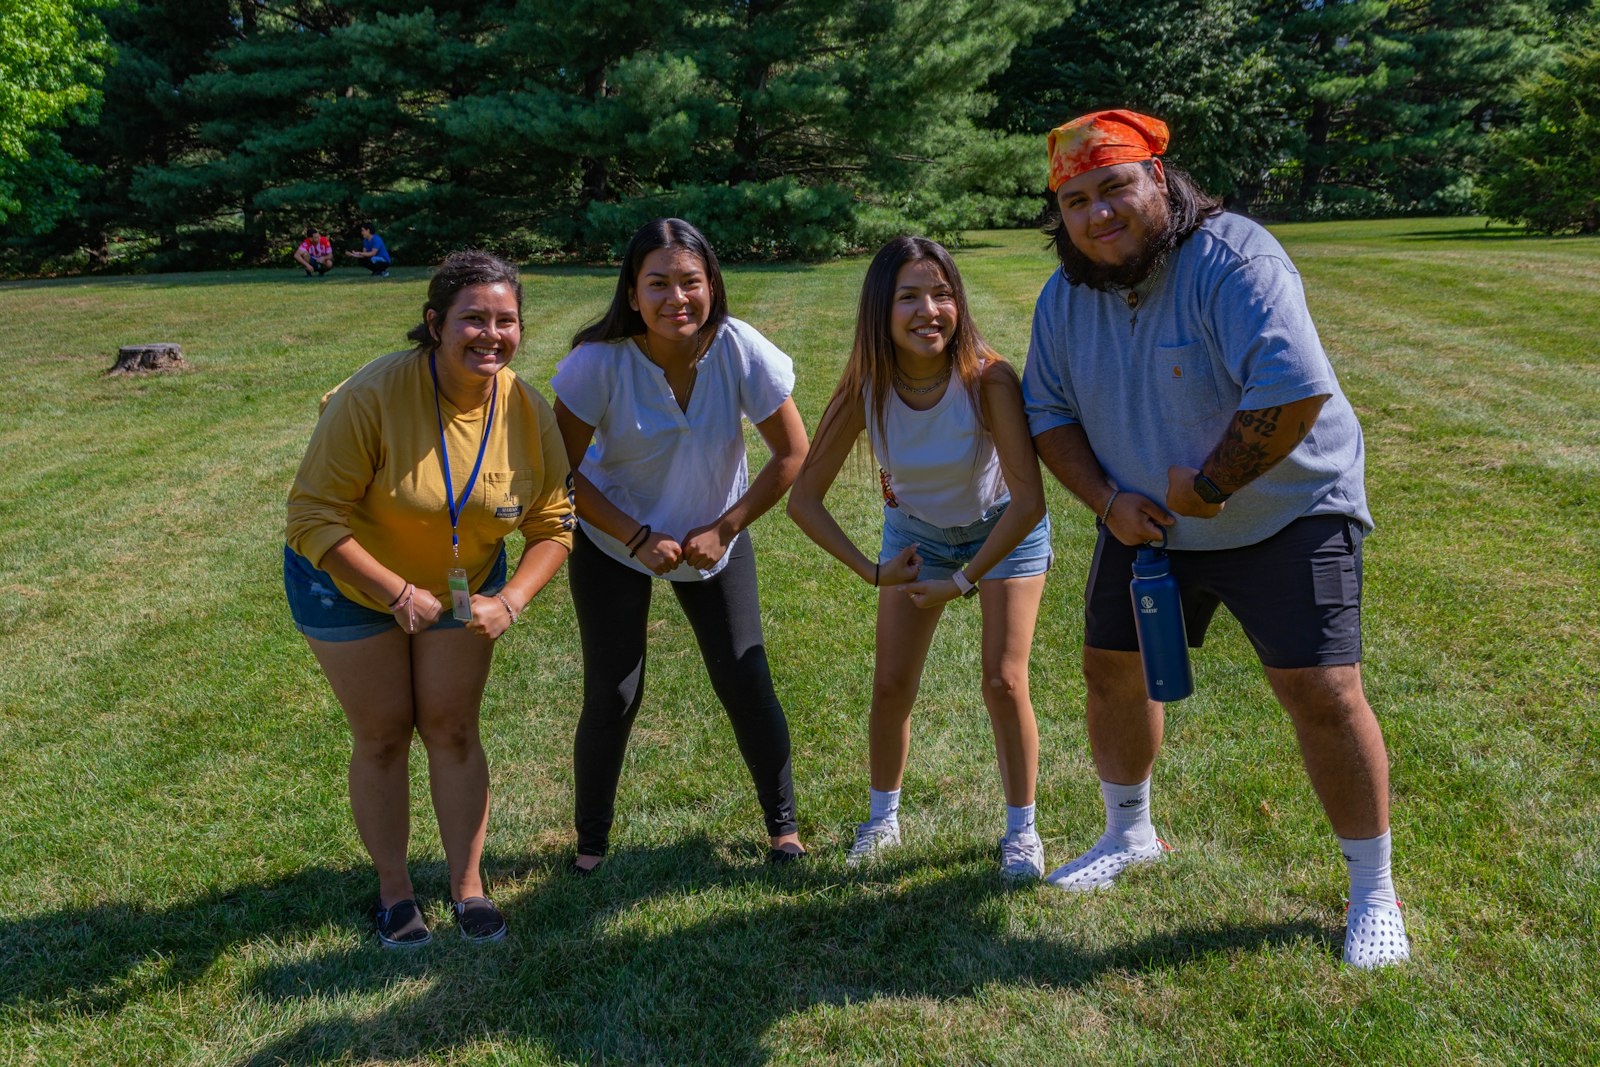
1251 446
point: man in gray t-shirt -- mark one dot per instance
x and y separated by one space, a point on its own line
1175 384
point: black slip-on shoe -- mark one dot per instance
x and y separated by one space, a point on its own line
778 857
400 925
478 919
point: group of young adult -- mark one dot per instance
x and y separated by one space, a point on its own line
1172 365
315 253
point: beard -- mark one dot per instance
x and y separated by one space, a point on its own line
1150 256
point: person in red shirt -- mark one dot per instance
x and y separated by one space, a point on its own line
315 254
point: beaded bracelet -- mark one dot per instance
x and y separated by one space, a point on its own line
501 597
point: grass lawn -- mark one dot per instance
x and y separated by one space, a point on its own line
182 882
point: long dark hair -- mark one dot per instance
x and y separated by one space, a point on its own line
621 320
872 360
1188 207
458 271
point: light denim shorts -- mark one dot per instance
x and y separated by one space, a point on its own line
320 610
947 549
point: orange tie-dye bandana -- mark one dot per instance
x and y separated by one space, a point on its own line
1101 139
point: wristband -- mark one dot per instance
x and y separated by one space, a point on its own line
963 583
400 597
1105 516
1208 490
501 597
643 535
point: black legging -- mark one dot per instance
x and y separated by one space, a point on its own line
613 606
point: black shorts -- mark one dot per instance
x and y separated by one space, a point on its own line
1297 594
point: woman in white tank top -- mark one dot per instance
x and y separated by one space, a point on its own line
963 514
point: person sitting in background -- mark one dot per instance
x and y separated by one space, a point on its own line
315 254
374 254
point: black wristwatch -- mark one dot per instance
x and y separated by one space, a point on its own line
1207 490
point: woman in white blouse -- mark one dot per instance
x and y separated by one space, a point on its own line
661 385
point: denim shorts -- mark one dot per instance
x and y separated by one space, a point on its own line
321 611
947 549
1297 595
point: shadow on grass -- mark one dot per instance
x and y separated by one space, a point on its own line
1498 235
682 953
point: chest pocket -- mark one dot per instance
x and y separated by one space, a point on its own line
506 496
1186 384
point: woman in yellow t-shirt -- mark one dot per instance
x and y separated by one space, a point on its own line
395 567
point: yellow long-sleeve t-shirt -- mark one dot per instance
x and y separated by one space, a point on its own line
372 471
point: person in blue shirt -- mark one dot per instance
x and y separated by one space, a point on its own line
374 253
1176 385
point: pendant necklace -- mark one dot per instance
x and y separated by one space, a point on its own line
1135 299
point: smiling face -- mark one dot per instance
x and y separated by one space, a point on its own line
1115 216
479 334
672 295
922 315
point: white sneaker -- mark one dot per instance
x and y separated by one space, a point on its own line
1375 936
1099 867
871 839
1021 857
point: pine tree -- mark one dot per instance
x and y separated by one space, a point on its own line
1394 98
1209 69
1546 172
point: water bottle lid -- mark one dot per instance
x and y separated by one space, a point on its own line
1151 561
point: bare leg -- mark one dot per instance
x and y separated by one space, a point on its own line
372 680
1125 725
1341 744
450 669
904 633
1010 612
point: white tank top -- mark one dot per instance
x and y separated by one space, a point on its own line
941 464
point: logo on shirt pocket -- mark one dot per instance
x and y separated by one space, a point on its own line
506 492
1188 390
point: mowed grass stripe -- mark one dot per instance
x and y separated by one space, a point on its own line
185 886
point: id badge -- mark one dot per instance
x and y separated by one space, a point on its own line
460 595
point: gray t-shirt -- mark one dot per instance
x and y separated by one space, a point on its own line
1224 328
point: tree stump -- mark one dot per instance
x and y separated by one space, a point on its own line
145 359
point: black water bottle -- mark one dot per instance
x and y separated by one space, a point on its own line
1158 615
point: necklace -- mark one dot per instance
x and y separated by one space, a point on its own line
903 376
919 390
1134 298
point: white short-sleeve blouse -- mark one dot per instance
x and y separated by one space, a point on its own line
675 470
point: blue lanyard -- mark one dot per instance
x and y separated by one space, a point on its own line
458 506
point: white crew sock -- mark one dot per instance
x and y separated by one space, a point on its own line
1368 860
885 807
1128 813
1020 820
